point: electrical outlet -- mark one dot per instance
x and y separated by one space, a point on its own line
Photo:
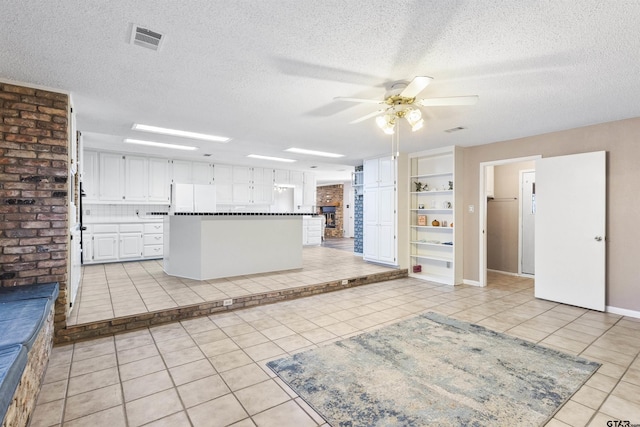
345 281
87 212
472 209
227 302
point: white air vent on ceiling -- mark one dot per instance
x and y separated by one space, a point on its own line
146 38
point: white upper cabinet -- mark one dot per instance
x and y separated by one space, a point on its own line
379 172
159 180
136 179
252 185
263 176
202 173
181 172
309 191
262 186
281 176
223 179
184 172
223 173
111 177
89 176
296 178
241 174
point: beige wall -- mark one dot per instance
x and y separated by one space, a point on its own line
620 140
503 217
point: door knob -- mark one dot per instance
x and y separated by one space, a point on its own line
598 238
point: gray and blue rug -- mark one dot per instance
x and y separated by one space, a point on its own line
434 371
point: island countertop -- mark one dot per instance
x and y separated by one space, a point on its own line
210 246
242 214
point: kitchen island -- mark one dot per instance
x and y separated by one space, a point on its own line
215 245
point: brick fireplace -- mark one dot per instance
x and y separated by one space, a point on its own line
329 200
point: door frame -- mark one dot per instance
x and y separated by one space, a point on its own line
482 212
520 213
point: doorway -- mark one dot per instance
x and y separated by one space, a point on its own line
500 215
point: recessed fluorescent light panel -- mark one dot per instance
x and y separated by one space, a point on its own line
181 133
275 159
160 144
312 152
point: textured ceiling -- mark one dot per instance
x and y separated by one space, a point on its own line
265 72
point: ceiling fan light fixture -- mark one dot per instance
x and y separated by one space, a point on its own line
413 115
386 123
417 125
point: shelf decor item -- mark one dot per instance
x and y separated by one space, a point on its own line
450 185
422 220
417 268
420 186
435 223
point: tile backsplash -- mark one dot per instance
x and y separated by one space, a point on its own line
94 213
120 212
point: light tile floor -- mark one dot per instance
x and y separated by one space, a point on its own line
211 371
122 289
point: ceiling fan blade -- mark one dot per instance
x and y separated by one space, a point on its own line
416 86
368 116
368 101
451 100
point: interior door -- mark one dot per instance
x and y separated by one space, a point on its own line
570 229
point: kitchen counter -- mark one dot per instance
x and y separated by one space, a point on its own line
225 244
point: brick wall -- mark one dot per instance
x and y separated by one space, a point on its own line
332 195
34 230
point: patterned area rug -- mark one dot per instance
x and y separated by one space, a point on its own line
434 371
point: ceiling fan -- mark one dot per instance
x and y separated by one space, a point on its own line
400 101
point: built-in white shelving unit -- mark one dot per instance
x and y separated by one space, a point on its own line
435 220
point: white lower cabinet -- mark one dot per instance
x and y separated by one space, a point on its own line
130 246
130 241
311 231
105 247
122 242
153 241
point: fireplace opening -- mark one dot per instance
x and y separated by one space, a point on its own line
329 213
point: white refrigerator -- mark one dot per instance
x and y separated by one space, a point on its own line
198 198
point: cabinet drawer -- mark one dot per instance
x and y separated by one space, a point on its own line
314 227
153 228
105 228
153 239
153 250
131 228
313 233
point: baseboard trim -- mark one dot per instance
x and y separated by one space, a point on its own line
471 282
507 273
623 311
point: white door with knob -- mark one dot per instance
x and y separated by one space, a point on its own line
570 229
